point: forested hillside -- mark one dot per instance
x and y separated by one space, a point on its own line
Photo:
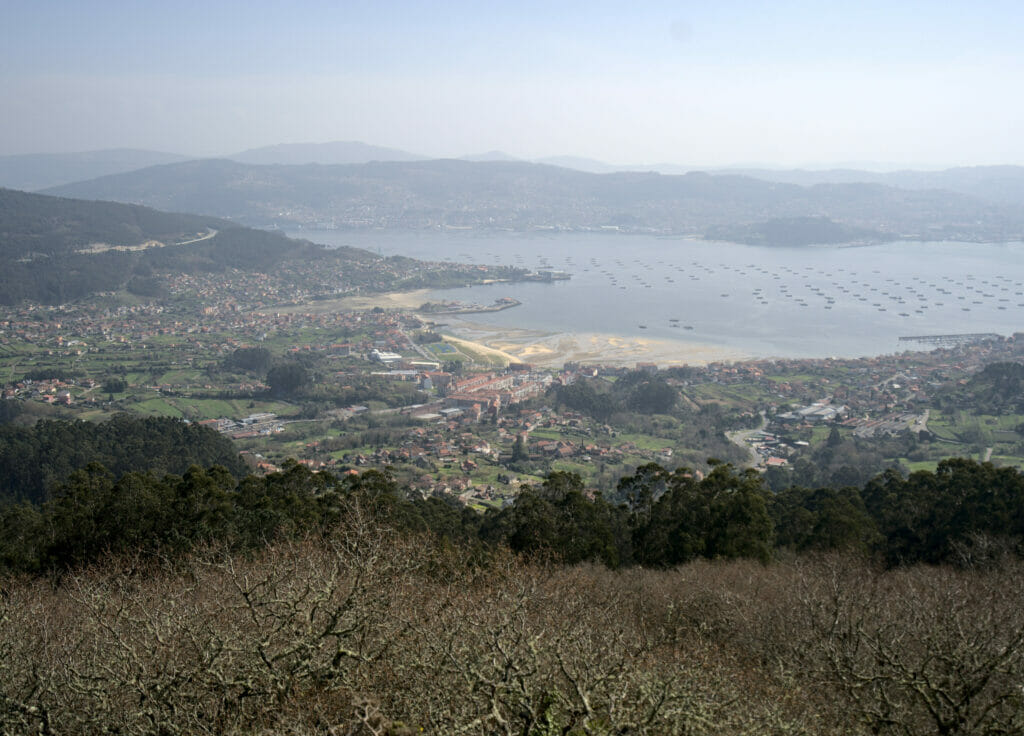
55 250
134 484
997 389
34 225
35 460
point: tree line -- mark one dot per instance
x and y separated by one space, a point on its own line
36 460
964 513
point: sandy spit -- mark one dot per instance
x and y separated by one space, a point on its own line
555 349
407 300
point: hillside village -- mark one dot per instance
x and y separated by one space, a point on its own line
390 392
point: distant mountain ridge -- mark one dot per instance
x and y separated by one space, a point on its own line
33 171
489 156
329 154
1000 184
37 171
43 171
522 195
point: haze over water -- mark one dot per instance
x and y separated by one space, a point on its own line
807 302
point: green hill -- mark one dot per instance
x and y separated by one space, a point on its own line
35 225
794 231
997 389
55 250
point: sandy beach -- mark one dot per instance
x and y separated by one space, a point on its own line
489 351
545 349
407 300
555 349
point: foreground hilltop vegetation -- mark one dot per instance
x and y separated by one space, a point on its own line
370 632
303 603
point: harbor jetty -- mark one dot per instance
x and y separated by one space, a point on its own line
454 307
969 338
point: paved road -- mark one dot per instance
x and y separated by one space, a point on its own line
921 423
740 437
416 346
211 232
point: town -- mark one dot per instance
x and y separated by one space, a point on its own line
383 388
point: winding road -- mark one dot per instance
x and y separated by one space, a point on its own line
740 437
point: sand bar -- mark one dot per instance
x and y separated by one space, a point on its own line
407 300
482 349
555 349
545 349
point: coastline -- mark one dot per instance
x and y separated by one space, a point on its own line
482 349
407 300
543 349
551 350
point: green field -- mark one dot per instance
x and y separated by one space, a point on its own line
646 441
199 408
743 394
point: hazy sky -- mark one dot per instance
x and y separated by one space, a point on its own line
704 82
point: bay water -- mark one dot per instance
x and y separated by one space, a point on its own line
800 302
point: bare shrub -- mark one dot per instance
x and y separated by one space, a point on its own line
370 633
921 650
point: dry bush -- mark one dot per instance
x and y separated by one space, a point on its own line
226 645
922 650
535 649
367 633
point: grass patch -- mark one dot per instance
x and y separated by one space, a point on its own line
646 441
819 435
157 408
742 394
797 377
1009 460
915 465
197 408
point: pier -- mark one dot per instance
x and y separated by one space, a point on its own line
947 340
439 308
